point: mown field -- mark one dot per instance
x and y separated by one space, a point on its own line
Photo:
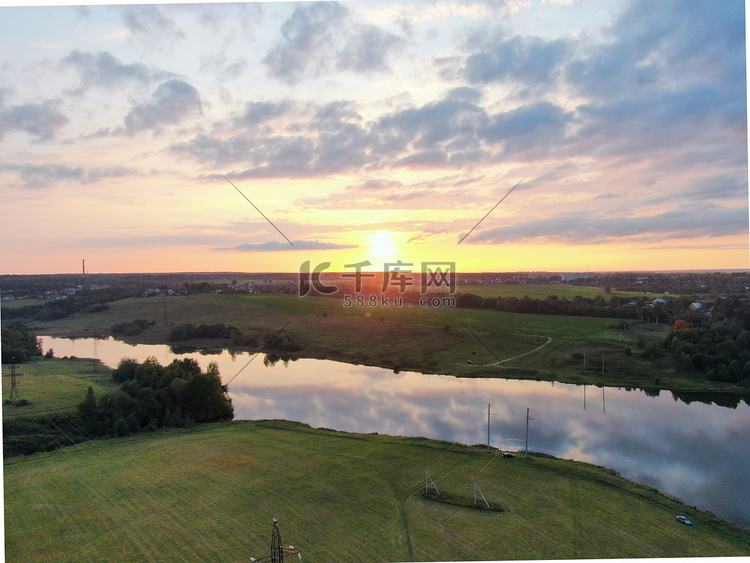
210 494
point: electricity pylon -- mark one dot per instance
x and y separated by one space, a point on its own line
277 550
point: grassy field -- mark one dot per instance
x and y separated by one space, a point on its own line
18 303
541 291
210 494
54 386
542 347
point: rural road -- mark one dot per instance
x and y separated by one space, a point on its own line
549 339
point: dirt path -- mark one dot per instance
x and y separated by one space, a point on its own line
549 339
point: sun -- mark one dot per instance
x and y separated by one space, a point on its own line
381 245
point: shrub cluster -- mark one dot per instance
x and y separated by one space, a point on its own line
153 396
19 346
282 342
189 331
133 328
30 435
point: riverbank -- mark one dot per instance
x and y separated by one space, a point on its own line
446 341
211 492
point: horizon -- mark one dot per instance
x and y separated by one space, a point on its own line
505 137
468 273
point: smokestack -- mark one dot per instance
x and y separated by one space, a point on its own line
83 266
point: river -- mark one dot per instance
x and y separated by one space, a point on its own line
697 452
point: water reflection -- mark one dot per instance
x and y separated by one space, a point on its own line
695 451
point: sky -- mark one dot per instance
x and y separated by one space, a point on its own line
507 135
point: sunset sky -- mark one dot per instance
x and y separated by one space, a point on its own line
377 131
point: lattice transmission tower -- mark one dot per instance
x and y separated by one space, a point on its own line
278 551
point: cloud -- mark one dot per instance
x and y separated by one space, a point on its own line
185 239
258 113
37 176
170 103
307 37
652 44
452 132
42 121
367 50
151 27
448 192
531 61
687 221
323 36
532 126
223 67
104 70
274 246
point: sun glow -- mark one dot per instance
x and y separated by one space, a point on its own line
381 245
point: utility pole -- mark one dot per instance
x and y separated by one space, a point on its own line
13 387
488 427
526 454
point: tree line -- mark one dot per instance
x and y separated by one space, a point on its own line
18 346
617 307
718 345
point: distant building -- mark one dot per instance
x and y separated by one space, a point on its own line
571 277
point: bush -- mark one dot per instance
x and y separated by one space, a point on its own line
121 427
189 331
153 396
126 329
652 352
133 328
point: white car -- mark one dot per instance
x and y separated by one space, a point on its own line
684 520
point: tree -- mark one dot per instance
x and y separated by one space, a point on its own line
87 407
18 346
680 324
125 370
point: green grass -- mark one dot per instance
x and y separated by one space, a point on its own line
554 326
18 303
210 494
541 291
54 386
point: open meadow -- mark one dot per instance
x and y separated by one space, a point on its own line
541 291
54 386
440 340
211 493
